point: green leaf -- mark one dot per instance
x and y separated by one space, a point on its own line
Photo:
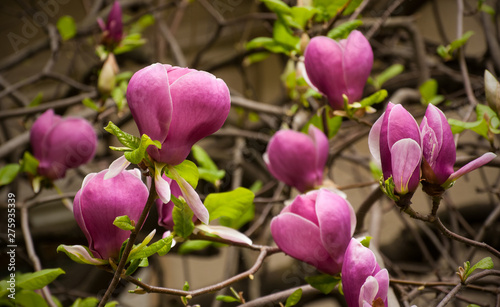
302 14
203 158
324 283
351 7
118 95
36 101
480 127
129 43
231 205
29 163
123 222
488 10
38 280
134 265
473 305
374 98
454 45
211 176
186 286
343 30
267 43
29 298
183 218
375 170
85 302
67 27
193 246
255 58
294 298
138 248
227 298
284 36
187 170
163 244
446 52
137 155
89 103
484 264
126 139
256 186
8 173
366 241
333 123
328 8
277 6
141 24
389 73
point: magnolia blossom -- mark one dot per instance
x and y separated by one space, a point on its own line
339 68
316 228
395 143
178 107
61 143
439 150
113 28
298 159
100 201
363 282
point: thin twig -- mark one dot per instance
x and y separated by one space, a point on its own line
30 248
264 252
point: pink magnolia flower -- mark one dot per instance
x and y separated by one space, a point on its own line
439 150
99 202
61 143
113 28
337 68
178 107
298 159
316 228
363 282
395 143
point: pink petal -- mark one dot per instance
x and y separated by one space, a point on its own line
201 104
300 239
116 167
334 216
321 143
469 167
357 64
368 292
438 144
291 158
374 139
323 62
82 254
161 185
148 96
359 263
192 198
226 233
406 157
40 130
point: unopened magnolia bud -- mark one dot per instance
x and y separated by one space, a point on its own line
107 77
304 41
492 91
